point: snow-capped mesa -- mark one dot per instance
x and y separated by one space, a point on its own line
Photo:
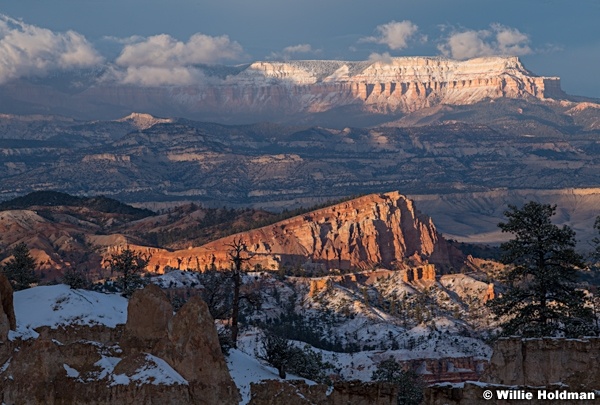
293 91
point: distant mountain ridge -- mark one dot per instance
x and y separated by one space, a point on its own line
291 91
56 198
492 144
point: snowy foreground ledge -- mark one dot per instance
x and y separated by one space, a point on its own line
58 306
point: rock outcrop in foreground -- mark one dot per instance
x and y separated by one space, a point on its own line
553 365
540 362
377 230
156 358
7 310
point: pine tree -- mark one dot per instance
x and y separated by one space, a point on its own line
276 351
410 385
131 265
285 357
542 299
20 269
75 278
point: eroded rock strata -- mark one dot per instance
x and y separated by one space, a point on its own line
377 230
155 358
552 365
272 90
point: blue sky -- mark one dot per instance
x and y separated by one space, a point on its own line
553 37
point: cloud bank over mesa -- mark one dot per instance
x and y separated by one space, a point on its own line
497 40
166 51
393 34
159 55
163 60
562 40
29 51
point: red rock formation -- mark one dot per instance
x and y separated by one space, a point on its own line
148 315
98 365
529 365
421 273
187 341
194 351
570 361
6 298
377 230
491 293
317 285
449 369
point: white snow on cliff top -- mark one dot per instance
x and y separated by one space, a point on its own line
396 69
58 305
245 369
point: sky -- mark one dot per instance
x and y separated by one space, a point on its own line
158 42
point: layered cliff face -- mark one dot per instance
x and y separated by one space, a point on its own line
375 230
528 365
398 85
569 361
273 90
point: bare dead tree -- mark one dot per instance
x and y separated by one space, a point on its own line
238 254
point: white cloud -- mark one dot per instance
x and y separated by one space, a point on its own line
511 41
162 60
394 34
289 51
498 40
27 50
167 52
124 41
154 76
380 57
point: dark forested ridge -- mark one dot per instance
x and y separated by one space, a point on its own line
56 198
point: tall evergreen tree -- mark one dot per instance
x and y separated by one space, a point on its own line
131 265
410 385
542 299
20 269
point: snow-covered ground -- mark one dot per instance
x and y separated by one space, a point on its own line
246 369
370 323
177 279
58 305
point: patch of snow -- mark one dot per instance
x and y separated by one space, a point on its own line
22 333
245 369
119 379
58 305
71 372
107 364
178 279
5 365
156 371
